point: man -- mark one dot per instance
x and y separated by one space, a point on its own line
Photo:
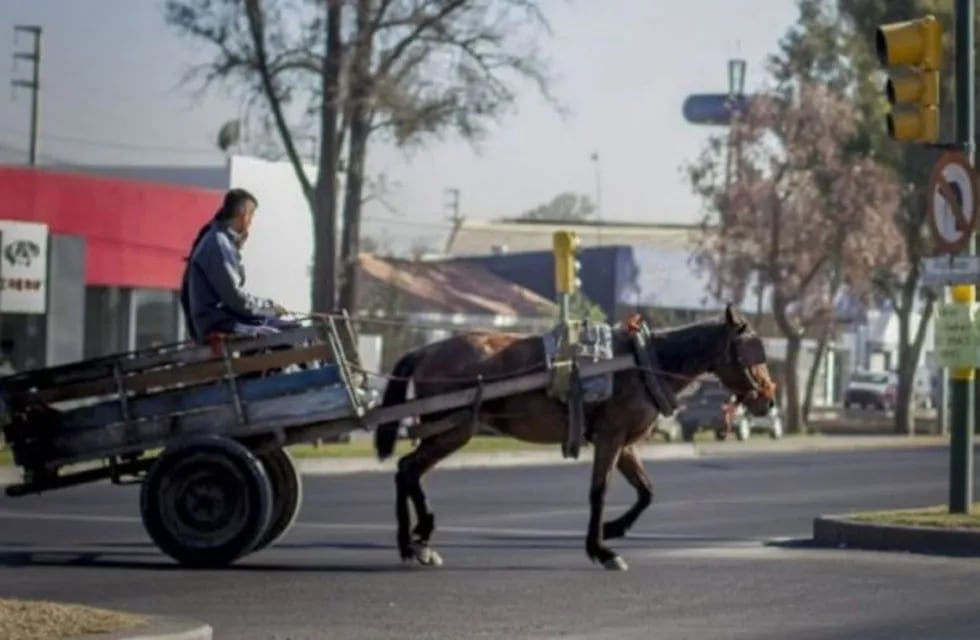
211 294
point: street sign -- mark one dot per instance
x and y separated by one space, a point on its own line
950 271
712 108
957 337
951 202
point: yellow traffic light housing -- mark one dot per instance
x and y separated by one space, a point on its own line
566 247
913 92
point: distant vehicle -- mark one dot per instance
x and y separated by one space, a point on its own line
872 390
745 423
668 428
704 409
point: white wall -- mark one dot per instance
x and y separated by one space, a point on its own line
279 249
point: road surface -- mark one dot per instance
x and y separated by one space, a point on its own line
703 561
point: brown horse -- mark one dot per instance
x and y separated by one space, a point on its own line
727 348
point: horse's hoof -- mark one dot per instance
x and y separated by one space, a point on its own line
615 563
426 555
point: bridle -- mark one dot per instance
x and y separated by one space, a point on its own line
745 353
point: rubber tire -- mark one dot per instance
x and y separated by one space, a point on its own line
252 490
287 495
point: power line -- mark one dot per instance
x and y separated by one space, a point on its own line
118 145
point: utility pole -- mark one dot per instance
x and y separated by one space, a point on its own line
961 382
455 218
33 84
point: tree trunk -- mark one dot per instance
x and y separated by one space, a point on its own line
323 297
360 130
350 245
904 413
811 379
794 418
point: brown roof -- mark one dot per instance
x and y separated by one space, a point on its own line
443 287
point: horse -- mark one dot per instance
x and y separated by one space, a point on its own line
726 347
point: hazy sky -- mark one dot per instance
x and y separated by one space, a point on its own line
111 69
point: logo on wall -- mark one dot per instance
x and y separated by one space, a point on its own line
23 267
21 253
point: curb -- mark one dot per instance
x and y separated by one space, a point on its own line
842 532
159 628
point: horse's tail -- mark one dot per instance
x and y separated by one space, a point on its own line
386 434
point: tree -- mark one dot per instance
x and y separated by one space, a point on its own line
405 70
798 206
565 207
833 42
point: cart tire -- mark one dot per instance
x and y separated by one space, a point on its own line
287 494
206 502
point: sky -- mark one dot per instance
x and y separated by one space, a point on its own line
111 94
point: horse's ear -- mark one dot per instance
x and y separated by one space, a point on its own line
732 316
734 319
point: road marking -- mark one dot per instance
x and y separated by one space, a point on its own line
375 526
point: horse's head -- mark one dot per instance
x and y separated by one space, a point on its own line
742 367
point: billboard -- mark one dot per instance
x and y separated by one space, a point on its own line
23 267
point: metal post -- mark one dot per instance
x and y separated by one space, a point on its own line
961 380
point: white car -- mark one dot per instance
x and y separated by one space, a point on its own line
744 423
871 389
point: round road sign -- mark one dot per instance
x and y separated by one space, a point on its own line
952 202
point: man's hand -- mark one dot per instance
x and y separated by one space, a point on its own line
280 310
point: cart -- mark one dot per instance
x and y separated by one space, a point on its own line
204 429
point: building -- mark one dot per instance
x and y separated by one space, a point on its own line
92 265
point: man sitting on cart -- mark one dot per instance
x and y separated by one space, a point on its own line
212 293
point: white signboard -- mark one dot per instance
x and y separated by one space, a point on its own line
23 267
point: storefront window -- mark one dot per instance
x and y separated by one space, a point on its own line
156 318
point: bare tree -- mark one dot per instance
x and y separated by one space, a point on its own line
407 70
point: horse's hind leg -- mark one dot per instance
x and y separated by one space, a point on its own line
408 480
631 467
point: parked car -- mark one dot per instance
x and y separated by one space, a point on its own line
745 423
704 409
871 390
668 428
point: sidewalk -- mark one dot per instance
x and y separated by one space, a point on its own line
678 451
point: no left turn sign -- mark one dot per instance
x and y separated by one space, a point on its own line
952 202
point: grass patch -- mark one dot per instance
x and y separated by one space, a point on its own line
364 448
41 620
936 516
6 456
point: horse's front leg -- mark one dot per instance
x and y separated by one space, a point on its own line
606 454
631 467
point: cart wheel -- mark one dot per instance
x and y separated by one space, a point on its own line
206 502
287 494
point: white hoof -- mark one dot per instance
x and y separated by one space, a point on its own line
426 556
615 563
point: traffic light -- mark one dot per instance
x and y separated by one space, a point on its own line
913 92
567 266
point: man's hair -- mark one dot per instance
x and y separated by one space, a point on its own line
234 200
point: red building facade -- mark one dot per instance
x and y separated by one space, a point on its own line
132 237
136 233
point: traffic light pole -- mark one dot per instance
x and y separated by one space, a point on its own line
962 380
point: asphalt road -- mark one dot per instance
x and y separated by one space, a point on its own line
703 563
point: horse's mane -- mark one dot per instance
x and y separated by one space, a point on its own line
689 346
